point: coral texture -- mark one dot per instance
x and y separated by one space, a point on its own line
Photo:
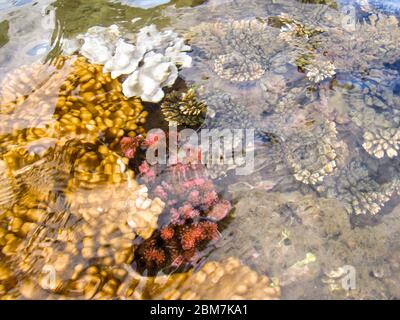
183 108
238 51
314 152
228 279
150 64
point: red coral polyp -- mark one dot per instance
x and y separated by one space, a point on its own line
167 233
154 256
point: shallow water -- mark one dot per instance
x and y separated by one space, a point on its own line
318 214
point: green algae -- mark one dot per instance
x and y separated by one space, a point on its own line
4 26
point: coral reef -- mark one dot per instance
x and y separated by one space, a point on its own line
91 105
90 230
147 82
237 51
318 71
183 108
225 113
76 101
382 141
28 95
228 279
372 108
98 44
193 209
280 96
305 40
360 193
151 64
315 152
363 48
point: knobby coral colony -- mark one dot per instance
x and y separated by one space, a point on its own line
148 65
69 157
89 106
360 193
374 109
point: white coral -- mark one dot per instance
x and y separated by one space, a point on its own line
382 141
99 43
125 60
147 82
318 71
151 63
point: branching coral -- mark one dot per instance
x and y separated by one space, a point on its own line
183 108
315 152
237 51
193 209
305 42
318 71
360 193
365 46
382 141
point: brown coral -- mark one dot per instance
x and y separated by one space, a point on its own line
183 108
226 280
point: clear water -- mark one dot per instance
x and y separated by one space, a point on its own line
313 239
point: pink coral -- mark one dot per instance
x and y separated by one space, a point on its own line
188 212
220 210
147 172
130 145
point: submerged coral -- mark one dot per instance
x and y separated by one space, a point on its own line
318 71
228 279
151 64
365 46
226 113
28 95
373 110
99 43
90 230
360 193
193 208
183 108
381 142
237 51
91 105
315 152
